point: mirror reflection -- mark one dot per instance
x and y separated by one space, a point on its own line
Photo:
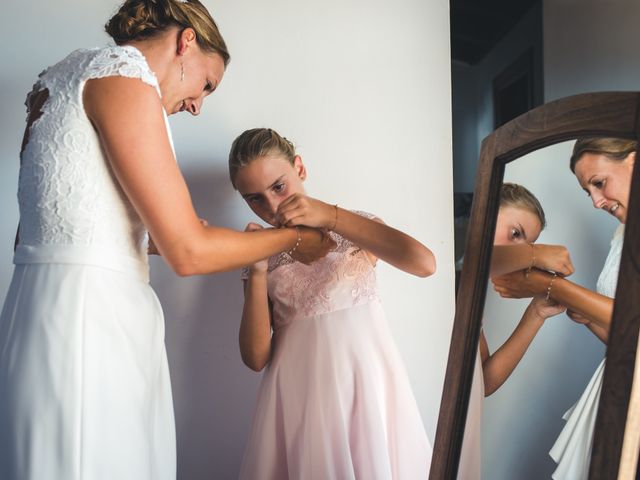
553 277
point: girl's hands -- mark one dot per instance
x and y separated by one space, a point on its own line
522 285
262 265
299 209
543 308
553 258
314 244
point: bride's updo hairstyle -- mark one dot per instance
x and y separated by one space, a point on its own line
143 19
256 143
612 148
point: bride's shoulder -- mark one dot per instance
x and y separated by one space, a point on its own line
124 61
92 63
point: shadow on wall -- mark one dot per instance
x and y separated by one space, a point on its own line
213 391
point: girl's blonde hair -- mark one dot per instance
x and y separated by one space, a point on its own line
612 148
142 19
517 196
255 143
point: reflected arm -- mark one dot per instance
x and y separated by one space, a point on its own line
510 258
498 367
591 305
600 332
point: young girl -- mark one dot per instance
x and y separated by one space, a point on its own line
519 223
335 401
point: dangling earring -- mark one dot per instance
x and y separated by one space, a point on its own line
181 71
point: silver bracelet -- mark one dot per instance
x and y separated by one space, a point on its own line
295 247
551 285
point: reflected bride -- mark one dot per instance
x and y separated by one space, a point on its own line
603 167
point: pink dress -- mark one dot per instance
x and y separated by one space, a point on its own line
335 401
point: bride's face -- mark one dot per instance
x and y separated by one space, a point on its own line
607 182
267 181
191 75
187 91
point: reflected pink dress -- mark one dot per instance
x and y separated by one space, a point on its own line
335 401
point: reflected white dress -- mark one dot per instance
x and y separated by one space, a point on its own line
84 380
335 401
470 464
572 449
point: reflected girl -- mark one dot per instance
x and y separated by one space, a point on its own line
519 223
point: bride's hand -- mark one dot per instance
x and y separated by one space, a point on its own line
314 244
521 284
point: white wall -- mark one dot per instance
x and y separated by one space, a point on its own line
589 45
363 88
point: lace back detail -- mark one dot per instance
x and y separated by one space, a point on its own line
67 191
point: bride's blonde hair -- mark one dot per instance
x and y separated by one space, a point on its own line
612 148
142 19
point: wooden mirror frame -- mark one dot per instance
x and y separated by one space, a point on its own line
608 114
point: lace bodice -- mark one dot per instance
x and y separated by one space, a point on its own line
67 192
345 278
608 279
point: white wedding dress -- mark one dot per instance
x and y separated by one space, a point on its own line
470 464
572 449
84 380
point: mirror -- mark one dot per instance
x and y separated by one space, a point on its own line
604 114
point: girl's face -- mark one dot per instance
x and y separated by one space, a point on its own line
267 181
607 182
516 225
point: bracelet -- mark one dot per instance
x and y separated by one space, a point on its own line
551 285
295 247
533 261
335 221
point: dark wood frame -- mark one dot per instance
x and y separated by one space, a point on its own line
610 114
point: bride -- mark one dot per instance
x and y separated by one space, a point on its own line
84 382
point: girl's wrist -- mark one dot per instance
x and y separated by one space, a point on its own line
297 240
536 317
257 269
333 218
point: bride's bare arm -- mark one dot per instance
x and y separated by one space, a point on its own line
592 306
127 115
